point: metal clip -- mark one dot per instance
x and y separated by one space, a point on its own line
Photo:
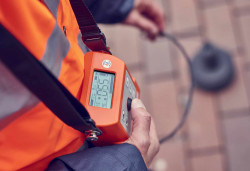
91 135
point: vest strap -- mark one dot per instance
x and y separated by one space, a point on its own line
91 33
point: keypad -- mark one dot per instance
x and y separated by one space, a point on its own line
128 92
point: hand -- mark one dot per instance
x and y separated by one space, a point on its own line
148 15
143 135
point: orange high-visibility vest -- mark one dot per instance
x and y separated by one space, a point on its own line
30 134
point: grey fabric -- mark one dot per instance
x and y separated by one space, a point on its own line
15 99
83 47
53 6
104 11
122 157
56 50
109 11
84 146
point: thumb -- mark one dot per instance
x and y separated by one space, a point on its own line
140 136
141 120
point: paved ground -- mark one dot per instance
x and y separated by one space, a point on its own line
216 136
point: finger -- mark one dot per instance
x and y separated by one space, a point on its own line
154 145
144 23
141 119
140 136
141 128
159 16
154 12
153 132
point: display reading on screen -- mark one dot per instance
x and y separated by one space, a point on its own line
102 89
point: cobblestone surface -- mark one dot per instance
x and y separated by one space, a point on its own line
216 135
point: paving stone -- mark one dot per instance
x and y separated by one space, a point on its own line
167 10
203 123
109 31
191 45
241 3
238 140
208 163
164 106
242 11
208 3
234 98
161 98
183 16
170 158
219 28
156 56
247 79
123 41
245 32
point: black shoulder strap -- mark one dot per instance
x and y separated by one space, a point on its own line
39 80
42 83
91 33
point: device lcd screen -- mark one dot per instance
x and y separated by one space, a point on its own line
102 89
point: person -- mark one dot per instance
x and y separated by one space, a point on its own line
30 135
146 15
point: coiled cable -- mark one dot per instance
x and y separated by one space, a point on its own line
191 88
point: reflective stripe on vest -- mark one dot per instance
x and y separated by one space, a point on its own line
83 47
17 99
53 7
56 50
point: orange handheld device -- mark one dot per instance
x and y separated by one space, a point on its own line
108 90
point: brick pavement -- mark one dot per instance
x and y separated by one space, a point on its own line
216 136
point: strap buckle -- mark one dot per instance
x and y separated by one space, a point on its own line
94 38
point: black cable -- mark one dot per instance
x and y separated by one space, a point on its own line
191 89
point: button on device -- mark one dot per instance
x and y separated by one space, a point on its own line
127 82
123 114
129 103
130 90
133 93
